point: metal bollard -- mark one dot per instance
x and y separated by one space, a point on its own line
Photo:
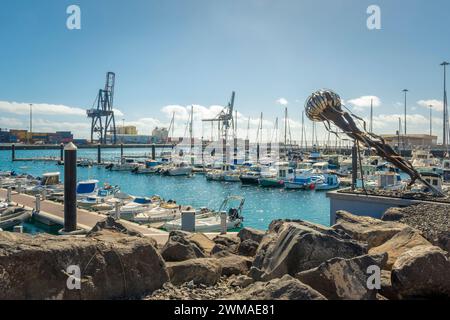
117 212
19 188
8 195
223 222
188 220
38 203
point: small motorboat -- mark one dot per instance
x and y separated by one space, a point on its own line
87 188
213 222
178 169
302 183
13 217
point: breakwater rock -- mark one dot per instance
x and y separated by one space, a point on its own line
112 265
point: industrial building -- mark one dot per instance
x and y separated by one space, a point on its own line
23 136
410 140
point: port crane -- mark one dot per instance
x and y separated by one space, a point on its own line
102 113
224 119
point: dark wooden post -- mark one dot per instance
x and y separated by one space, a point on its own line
13 152
354 166
121 150
153 152
70 187
247 147
61 152
99 153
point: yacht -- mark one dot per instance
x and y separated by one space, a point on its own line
178 169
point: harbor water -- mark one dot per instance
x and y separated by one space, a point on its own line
262 205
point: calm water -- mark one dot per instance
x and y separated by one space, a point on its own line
261 206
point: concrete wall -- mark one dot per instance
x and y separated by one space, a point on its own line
362 205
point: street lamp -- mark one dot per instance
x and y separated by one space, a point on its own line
445 110
405 91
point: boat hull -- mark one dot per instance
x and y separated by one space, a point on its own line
271 183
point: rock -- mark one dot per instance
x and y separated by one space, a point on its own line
293 247
285 288
392 214
110 224
112 266
398 244
179 248
373 231
228 243
251 234
234 264
202 271
248 248
433 220
386 286
202 241
340 278
241 281
422 272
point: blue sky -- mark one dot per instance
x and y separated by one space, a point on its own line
169 54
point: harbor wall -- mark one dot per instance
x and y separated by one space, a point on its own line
366 205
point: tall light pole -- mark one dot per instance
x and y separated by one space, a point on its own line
445 110
31 124
404 124
431 128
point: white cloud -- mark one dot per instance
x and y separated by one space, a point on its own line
282 102
40 108
364 102
437 104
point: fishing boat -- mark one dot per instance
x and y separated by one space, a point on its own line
301 182
331 181
251 176
212 223
284 173
137 205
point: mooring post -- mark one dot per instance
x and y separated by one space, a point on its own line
354 166
37 207
13 152
247 147
61 152
19 188
153 152
18 229
121 150
117 210
224 151
223 222
70 187
8 195
99 154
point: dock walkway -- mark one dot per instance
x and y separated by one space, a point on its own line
54 212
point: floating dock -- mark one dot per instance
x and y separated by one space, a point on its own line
52 212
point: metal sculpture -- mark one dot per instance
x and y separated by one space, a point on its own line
326 106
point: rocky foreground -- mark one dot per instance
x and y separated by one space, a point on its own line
294 259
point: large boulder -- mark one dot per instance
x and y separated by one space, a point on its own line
251 234
179 248
392 214
201 271
373 231
112 266
202 241
398 244
285 288
422 272
225 243
234 264
248 248
292 247
341 278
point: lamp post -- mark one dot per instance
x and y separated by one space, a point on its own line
445 110
405 91
431 128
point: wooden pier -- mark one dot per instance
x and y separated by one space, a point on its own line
54 212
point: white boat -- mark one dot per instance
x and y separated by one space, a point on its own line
150 166
179 169
158 214
137 205
330 181
212 223
87 188
102 195
125 164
